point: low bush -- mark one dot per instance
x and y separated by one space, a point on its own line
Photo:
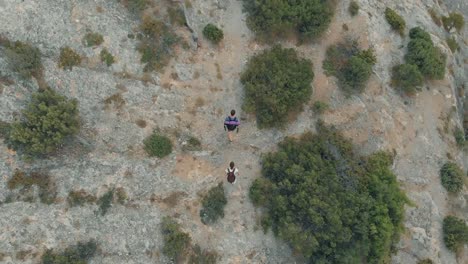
4 129
454 20
407 78
93 39
81 253
435 17
319 107
79 198
276 83
157 145
350 65
47 188
423 53
213 33
47 121
213 205
176 242
121 195
460 137
396 21
200 256
176 16
451 176
68 58
23 58
425 261
105 202
308 18
353 8
328 203
455 233
193 144
136 6
453 45
107 57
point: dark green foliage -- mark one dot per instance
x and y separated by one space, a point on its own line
396 21
176 16
158 146
451 176
407 78
68 58
330 205
454 20
453 45
423 53
213 205
105 202
425 261
276 82
353 8
200 256
156 43
78 254
350 65
319 107
23 58
47 121
213 33
93 39
47 188
79 198
176 242
308 18
460 137
107 57
455 232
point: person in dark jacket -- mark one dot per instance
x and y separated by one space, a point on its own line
231 123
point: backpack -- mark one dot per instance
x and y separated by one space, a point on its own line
231 177
230 126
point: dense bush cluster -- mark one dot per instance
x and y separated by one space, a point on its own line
23 58
308 18
351 65
451 176
396 21
158 145
407 77
213 33
78 254
276 82
453 20
455 232
330 205
47 121
213 205
68 58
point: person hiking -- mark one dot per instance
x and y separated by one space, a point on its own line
232 173
231 123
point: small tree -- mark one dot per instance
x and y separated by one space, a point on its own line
158 146
213 33
396 21
452 177
454 20
455 232
213 205
407 77
353 8
176 242
48 120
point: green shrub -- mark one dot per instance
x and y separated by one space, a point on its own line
176 16
435 18
193 144
78 254
4 129
105 202
200 256
455 232
308 18
454 20
328 203
350 65
79 198
425 261
23 58
136 6
407 78
276 82
353 8
93 39
423 53
451 177
453 45
47 121
213 33
320 107
68 58
176 242
157 145
396 21
460 137
122 196
107 57
213 205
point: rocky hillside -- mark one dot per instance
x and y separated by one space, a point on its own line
122 101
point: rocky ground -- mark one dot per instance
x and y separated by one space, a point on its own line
191 97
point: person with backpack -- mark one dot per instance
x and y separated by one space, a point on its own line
231 123
232 173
